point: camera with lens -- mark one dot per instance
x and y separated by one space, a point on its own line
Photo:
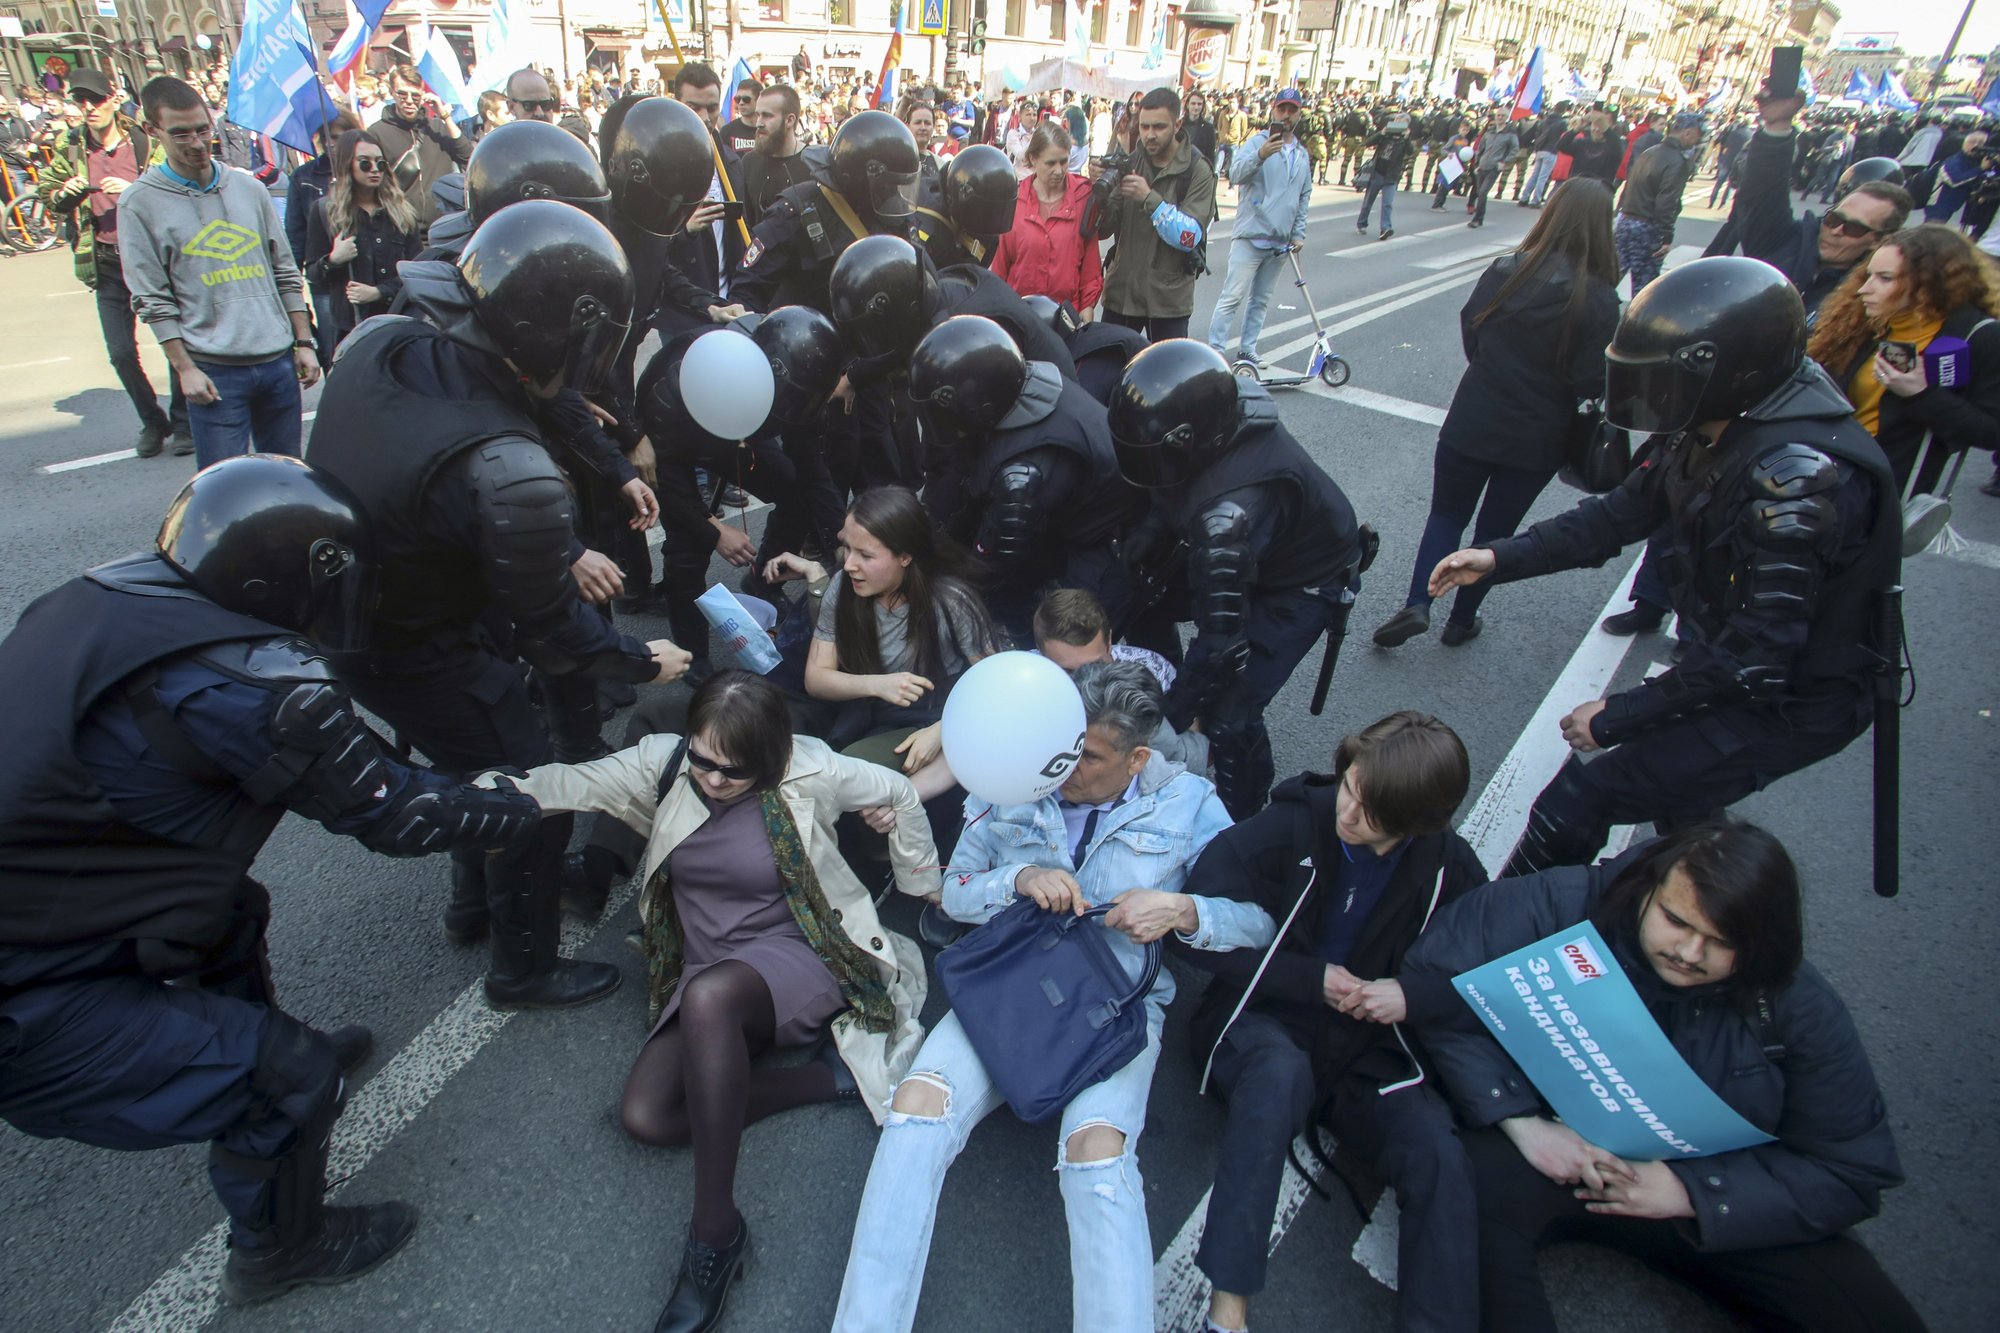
1115 165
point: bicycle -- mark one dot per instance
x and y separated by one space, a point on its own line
25 225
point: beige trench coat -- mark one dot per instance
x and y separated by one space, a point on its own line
819 786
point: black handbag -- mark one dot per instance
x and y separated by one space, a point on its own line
1597 457
1046 1003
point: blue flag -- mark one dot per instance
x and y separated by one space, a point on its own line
1568 1015
274 86
1859 89
1893 95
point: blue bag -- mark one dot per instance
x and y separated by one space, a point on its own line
1046 1003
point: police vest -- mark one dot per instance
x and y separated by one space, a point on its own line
1708 546
1104 503
71 871
968 289
1317 542
1102 350
385 441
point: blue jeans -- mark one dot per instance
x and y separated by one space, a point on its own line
1253 271
1110 1247
256 407
1386 189
1457 485
1540 172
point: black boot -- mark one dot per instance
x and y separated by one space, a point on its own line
526 971
702 1288
1642 618
1405 625
465 916
352 1045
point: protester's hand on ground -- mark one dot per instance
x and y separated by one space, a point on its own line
921 747
1461 569
645 506
1576 726
1653 1191
901 688
1055 890
733 544
672 658
1376 1002
1562 1154
598 578
1144 915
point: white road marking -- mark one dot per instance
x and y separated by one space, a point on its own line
1422 413
1464 254
1426 289
1369 249
184 1297
30 365
1975 553
93 461
1355 303
1180 1290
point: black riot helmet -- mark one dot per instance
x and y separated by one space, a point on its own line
882 293
806 355
1705 342
550 289
1869 169
875 164
1172 413
980 189
532 159
660 164
1058 315
966 375
268 537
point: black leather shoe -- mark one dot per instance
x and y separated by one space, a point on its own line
352 1045
1992 487
350 1242
565 984
183 444
587 877
1461 631
1405 625
938 930
151 440
845 1089
1643 618
702 1288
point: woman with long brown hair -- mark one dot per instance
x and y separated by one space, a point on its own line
359 232
1899 331
1534 331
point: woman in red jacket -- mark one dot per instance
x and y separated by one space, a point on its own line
1046 254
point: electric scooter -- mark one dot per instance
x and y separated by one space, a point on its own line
1326 365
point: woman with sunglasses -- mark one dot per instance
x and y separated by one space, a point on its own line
358 233
757 936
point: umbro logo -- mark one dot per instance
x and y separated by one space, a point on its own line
223 240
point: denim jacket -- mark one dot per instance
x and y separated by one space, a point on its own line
1149 842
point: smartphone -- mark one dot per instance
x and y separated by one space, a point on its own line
1786 62
732 209
1901 356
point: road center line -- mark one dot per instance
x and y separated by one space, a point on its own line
93 461
30 365
1180 1290
1422 413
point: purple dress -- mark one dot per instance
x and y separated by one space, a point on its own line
732 905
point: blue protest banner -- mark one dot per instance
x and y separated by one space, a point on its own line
1568 1015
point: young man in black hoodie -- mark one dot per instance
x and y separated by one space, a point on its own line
1354 865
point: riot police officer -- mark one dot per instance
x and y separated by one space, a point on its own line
1247 532
171 707
1778 528
961 219
1100 349
1028 478
874 167
474 524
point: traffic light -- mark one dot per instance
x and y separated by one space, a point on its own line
977 46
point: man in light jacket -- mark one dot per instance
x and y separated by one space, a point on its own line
1273 176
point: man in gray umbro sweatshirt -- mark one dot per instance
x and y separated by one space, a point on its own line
212 275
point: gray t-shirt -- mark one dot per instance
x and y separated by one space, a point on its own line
959 641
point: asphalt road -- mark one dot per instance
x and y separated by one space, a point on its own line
539 1214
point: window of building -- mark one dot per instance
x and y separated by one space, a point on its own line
1135 23
1017 17
840 13
1099 17
1270 32
1058 21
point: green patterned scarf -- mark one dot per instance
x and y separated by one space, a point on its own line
852 966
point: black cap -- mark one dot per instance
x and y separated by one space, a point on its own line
90 81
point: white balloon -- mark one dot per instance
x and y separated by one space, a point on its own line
726 384
1013 728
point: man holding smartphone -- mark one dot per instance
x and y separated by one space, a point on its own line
1273 175
419 139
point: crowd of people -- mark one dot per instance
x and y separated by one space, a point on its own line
983 433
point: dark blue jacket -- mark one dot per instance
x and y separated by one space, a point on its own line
303 192
1804 1079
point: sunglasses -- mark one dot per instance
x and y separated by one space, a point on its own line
369 163
532 105
1847 226
703 764
87 100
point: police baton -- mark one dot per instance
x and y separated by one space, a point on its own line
1888 735
1336 629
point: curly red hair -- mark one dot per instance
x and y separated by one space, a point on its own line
1944 273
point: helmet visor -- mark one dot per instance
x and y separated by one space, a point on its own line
1657 396
979 216
594 340
1168 463
341 613
892 194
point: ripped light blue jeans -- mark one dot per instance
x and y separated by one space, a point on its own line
1110 1247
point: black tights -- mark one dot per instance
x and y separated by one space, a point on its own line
693 1084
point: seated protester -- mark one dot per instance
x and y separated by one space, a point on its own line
897 626
757 936
1920 286
1355 864
1125 830
1072 630
1706 925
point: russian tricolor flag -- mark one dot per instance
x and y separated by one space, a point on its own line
1528 90
363 17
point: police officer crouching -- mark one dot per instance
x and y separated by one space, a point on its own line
1778 528
1024 473
433 428
1245 531
1100 349
169 714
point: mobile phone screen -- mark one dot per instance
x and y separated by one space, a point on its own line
1901 355
732 209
